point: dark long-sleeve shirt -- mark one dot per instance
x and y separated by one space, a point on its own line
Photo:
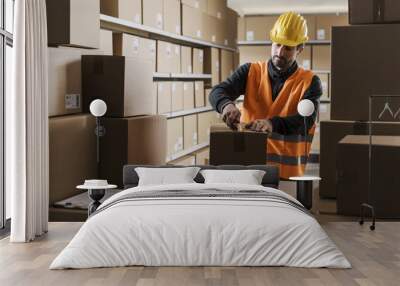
229 90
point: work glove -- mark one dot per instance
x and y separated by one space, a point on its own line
231 116
260 125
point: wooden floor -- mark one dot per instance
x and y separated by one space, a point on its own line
375 257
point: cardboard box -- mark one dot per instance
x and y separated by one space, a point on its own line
72 154
201 5
73 23
212 64
217 8
172 16
191 22
331 133
324 111
189 131
204 121
203 157
153 11
188 160
168 57
174 135
198 61
241 29
311 25
259 27
188 95
351 88
64 70
141 140
199 93
164 97
186 60
106 42
207 92
130 10
210 29
321 58
304 59
125 84
248 54
135 47
325 22
324 77
236 148
176 96
226 64
231 28
353 172
373 12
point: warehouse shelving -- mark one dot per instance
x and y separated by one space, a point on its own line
186 152
180 77
121 25
180 113
267 43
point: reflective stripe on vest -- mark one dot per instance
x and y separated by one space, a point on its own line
287 151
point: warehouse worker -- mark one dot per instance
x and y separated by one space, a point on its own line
272 89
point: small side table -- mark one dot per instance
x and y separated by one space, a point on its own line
304 189
96 193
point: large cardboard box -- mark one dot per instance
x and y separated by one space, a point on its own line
207 92
201 5
172 16
321 58
174 135
258 27
177 96
357 74
125 84
64 86
189 131
211 29
331 133
192 22
353 175
73 23
164 97
325 22
250 54
212 64
72 154
199 93
188 95
241 29
374 12
217 8
198 61
168 57
226 64
186 60
231 28
311 25
140 140
204 121
304 59
106 42
153 11
324 77
203 157
130 10
236 148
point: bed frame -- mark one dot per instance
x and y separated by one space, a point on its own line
270 179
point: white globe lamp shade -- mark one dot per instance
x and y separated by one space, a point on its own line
305 107
98 107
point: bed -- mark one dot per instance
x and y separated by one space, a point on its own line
201 224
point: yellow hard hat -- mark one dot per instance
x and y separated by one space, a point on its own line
290 30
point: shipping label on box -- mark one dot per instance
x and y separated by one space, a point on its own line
72 101
321 34
250 35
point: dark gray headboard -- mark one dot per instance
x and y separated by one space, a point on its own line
270 179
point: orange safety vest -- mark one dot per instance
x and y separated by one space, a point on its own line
286 151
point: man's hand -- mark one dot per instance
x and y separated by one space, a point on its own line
260 125
231 116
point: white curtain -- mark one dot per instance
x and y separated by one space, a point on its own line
27 124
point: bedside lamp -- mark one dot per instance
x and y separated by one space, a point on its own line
98 108
305 108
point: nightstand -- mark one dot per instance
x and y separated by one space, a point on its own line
96 193
304 187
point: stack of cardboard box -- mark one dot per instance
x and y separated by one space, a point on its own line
357 74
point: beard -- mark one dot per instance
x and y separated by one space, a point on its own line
280 62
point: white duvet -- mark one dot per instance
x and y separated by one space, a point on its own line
200 231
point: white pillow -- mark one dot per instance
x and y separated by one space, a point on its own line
164 176
248 177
